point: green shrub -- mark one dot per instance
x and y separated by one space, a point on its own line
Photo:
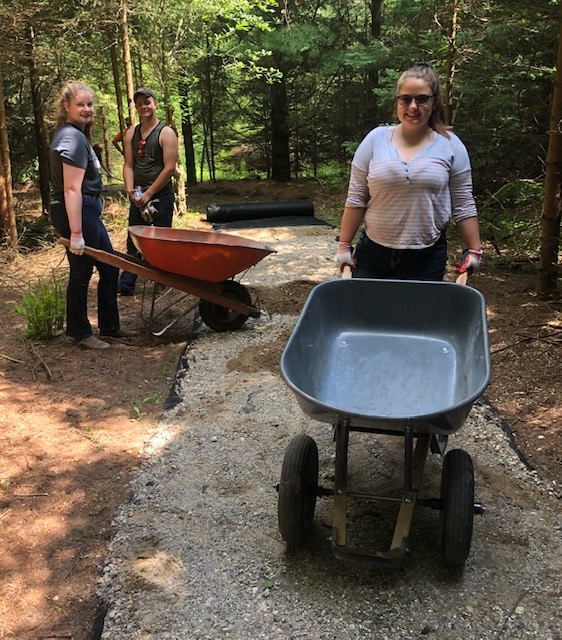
43 306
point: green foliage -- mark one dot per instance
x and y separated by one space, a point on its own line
219 59
510 219
43 307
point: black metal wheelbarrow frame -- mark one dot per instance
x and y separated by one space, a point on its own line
397 358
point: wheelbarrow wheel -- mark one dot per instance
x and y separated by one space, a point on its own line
298 490
457 515
219 318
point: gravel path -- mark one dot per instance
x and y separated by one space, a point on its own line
197 553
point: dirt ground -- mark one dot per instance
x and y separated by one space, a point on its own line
73 423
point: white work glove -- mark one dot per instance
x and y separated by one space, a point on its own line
77 243
344 257
150 212
470 261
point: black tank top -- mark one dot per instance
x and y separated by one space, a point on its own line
149 158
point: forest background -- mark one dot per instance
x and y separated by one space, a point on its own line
287 89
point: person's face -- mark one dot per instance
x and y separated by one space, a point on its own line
145 106
412 113
80 109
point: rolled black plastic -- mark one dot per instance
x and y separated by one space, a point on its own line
256 210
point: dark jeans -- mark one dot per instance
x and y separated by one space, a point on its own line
82 267
165 208
376 261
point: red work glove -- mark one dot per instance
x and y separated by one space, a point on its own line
344 257
470 262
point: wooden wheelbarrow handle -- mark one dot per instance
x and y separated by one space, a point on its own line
462 278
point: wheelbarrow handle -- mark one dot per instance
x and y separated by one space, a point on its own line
462 278
346 271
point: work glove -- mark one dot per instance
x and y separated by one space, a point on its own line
344 257
470 261
150 212
77 243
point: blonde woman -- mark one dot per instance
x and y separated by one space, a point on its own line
75 212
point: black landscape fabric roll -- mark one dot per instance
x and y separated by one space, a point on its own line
256 210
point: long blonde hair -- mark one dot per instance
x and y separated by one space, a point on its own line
424 71
69 91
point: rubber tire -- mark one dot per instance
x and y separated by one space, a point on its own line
457 517
298 490
219 318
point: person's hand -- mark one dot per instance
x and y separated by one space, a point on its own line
150 212
470 261
77 243
344 257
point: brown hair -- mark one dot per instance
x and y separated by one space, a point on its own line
424 71
69 91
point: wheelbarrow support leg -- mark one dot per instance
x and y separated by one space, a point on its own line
415 473
340 494
414 462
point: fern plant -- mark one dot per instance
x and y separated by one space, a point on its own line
43 307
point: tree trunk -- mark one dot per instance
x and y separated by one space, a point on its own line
550 219
187 134
117 85
181 205
105 134
372 110
41 137
280 154
451 60
210 115
7 213
127 59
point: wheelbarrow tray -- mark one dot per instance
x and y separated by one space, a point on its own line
389 354
203 255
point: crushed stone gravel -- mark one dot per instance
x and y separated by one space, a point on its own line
197 554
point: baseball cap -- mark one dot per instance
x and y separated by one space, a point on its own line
143 92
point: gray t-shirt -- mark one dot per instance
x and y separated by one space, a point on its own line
70 146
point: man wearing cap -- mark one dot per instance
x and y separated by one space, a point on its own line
151 153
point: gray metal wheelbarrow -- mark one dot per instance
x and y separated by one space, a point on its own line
392 357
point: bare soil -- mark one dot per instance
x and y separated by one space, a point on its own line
74 423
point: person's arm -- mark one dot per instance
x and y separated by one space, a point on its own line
466 218
169 144
350 223
128 165
116 140
469 232
73 177
353 214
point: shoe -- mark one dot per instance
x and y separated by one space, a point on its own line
160 288
125 292
119 333
91 342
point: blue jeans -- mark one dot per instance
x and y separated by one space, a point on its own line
376 261
82 267
165 208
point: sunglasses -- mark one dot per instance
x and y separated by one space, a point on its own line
140 148
421 100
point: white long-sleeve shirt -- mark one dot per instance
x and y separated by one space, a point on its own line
409 204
